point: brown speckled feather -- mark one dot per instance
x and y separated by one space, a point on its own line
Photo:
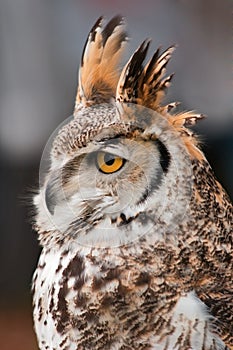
137 249
144 85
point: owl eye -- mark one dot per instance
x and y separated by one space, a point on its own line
109 163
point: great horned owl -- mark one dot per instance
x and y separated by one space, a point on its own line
136 232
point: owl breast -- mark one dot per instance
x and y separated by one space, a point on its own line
135 297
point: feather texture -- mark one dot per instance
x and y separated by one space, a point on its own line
98 73
139 256
145 85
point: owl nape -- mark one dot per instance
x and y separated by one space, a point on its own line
135 230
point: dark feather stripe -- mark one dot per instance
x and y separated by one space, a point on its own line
151 65
110 27
91 36
165 156
135 67
156 180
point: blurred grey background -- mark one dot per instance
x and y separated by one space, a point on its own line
40 47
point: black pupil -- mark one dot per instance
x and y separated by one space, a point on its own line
109 159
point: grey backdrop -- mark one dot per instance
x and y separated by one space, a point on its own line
40 48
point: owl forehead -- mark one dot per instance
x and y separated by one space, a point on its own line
98 122
105 122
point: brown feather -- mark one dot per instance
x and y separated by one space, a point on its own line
98 73
144 85
147 86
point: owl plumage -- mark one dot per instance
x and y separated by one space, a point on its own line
136 232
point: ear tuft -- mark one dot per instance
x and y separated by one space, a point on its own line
98 73
145 85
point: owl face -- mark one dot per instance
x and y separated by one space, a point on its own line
106 182
121 165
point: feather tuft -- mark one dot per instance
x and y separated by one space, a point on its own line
145 85
98 73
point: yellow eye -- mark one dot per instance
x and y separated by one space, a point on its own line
108 163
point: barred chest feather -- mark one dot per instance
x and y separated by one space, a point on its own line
127 298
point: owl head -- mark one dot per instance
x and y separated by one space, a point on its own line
121 166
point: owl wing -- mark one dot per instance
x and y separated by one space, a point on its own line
214 285
220 307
